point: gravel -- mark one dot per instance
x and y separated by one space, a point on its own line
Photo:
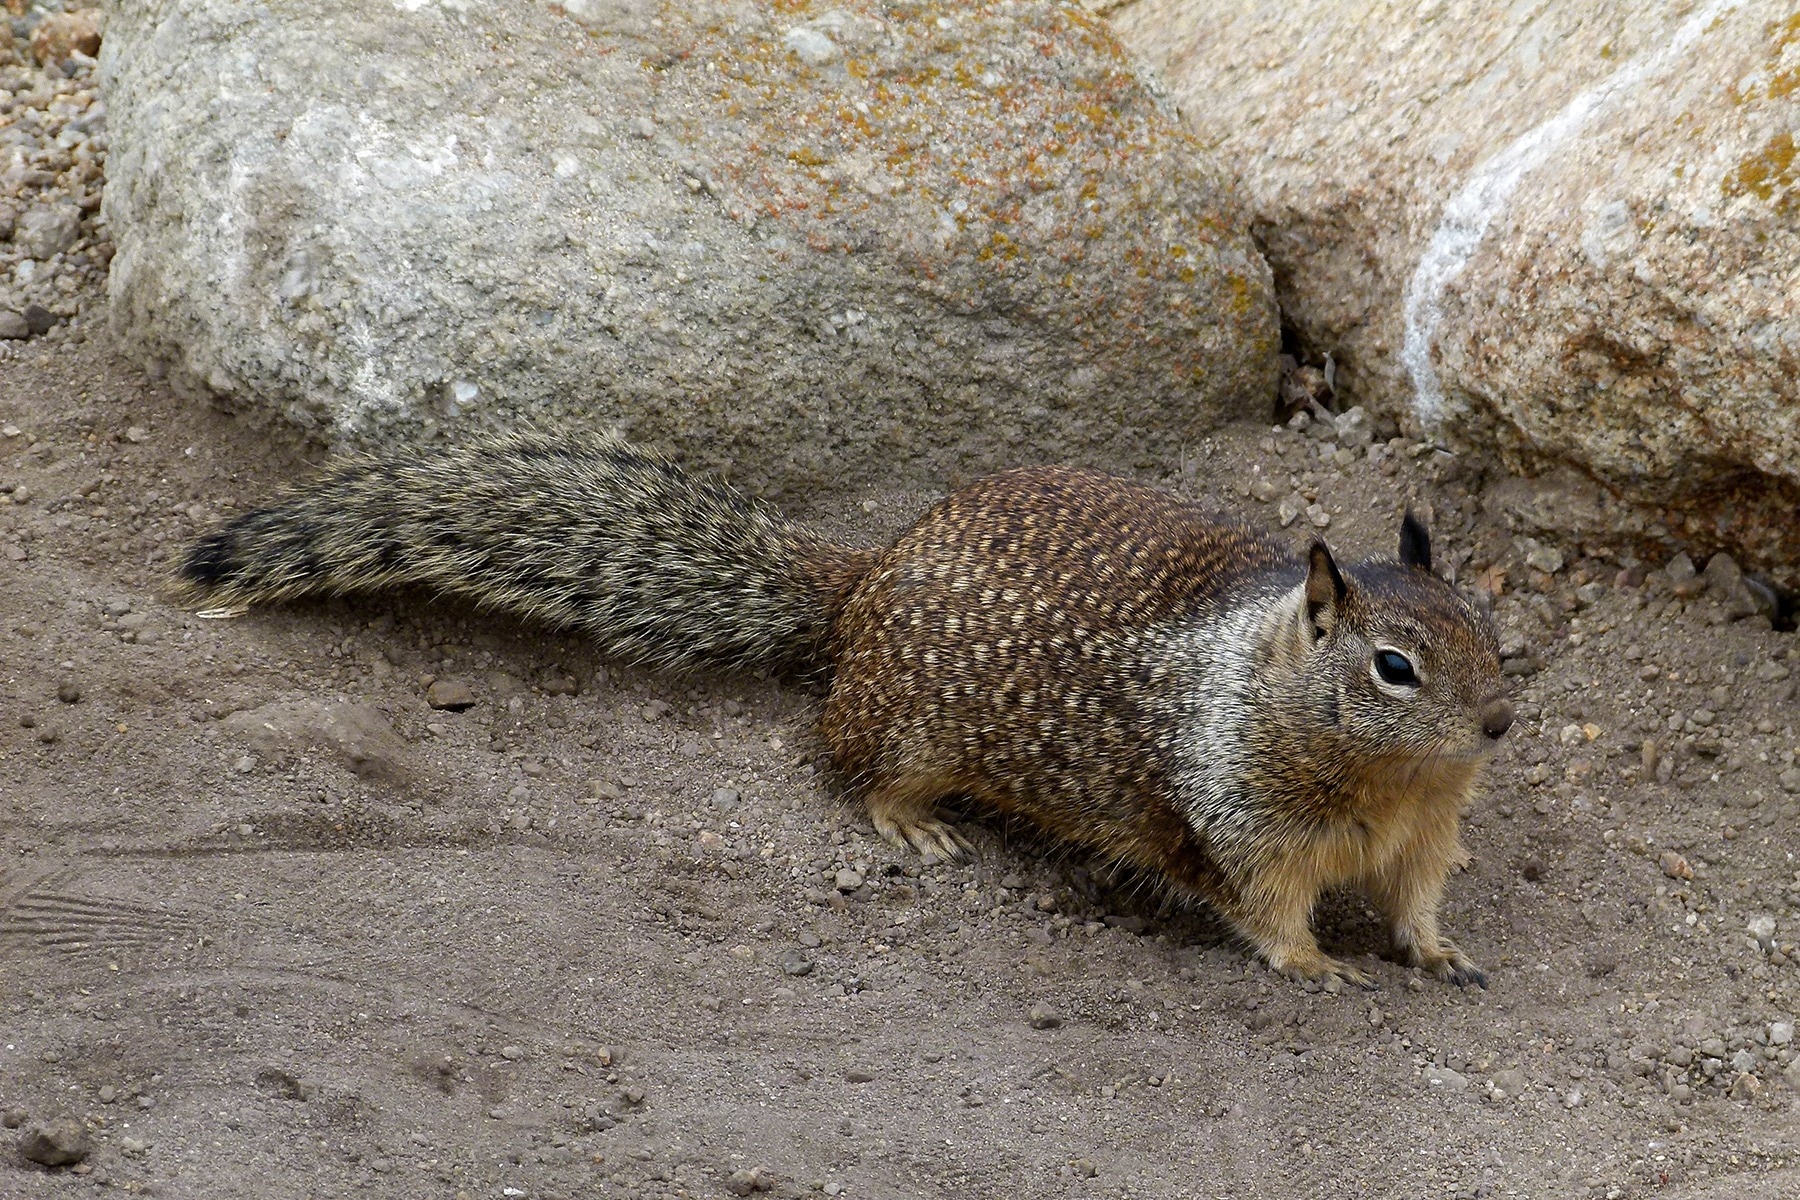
53 132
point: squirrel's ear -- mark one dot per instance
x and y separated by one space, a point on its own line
1325 590
1415 542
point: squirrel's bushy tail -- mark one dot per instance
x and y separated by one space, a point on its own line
582 531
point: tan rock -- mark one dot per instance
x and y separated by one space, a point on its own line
1571 228
58 34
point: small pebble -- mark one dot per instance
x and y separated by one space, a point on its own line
13 327
1675 866
40 320
69 693
848 880
1042 1016
512 1053
1509 1083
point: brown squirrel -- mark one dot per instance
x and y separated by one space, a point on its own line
1078 651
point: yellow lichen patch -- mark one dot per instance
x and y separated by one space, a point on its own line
1241 300
1767 175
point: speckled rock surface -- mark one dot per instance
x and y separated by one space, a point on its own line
808 243
1570 230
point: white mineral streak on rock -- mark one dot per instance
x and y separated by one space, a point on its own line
1472 209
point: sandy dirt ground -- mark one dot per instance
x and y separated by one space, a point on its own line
272 926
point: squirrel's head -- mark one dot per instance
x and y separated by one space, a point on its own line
1394 658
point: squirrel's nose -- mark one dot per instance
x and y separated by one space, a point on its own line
1496 716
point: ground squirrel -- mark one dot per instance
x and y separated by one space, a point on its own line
1090 655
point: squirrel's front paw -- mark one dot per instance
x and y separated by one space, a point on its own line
1450 965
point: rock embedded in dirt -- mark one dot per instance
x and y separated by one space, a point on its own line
881 239
359 736
1042 1016
1581 257
1509 1083
452 695
13 327
55 1142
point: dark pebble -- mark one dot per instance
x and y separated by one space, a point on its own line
39 319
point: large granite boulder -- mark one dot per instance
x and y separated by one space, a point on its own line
812 243
1568 231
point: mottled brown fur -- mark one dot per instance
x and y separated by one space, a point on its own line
1089 655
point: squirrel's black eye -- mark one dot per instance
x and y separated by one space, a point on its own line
1395 667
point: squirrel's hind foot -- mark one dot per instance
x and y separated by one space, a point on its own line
934 840
1316 964
904 814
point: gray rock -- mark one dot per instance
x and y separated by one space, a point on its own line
1508 1083
1355 428
1723 575
1446 1078
1562 232
747 1180
55 1142
451 694
46 230
848 879
868 245
13 327
359 736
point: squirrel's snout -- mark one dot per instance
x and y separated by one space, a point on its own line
1496 717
